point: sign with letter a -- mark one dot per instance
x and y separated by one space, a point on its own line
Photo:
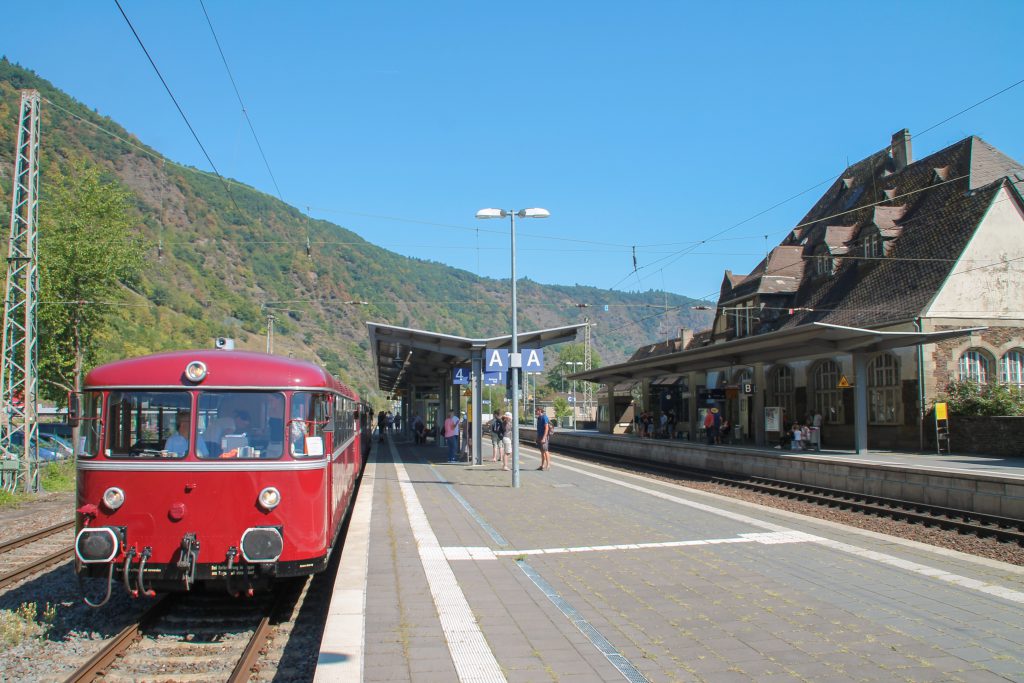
533 360
496 360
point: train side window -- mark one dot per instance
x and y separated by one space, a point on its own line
89 425
309 414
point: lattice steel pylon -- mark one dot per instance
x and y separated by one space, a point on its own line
588 387
19 376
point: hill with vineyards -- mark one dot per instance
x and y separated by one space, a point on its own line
222 257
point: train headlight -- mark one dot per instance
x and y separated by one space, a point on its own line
97 545
269 498
195 371
113 498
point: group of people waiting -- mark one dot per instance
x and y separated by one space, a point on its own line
804 436
387 423
647 426
716 427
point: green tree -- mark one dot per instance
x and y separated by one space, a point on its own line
569 354
562 408
87 251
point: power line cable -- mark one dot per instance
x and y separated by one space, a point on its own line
178 106
926 130
245 112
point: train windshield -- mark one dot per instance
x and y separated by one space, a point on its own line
149 424
241 424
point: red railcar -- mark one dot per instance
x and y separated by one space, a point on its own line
224 468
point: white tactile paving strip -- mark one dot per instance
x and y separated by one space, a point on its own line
474 661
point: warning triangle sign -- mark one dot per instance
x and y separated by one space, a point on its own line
843 382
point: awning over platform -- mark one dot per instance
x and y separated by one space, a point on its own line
406 357
805 341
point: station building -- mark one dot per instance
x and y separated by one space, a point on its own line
903 276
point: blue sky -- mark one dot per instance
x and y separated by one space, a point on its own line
661 125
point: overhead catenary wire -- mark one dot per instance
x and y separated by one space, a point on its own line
192 130
830 179
245 111
692 249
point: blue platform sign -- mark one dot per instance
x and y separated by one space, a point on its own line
460 376
533 360
496 360
493 379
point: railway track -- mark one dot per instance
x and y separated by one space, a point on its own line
22 557
191 637
1003 529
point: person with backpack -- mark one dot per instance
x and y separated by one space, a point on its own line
494 428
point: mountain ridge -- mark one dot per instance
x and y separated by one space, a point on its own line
221 261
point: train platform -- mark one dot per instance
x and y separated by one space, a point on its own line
589 574
939 462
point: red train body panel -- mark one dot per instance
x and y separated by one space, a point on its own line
214 467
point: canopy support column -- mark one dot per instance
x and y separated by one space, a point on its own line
860 402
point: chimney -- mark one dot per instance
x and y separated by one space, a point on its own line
900 148
685 337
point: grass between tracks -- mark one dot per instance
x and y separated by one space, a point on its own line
53 477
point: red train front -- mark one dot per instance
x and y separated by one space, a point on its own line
229 468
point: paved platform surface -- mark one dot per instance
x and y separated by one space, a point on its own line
584 574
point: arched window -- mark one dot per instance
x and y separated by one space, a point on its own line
884 390
827 398
780 389
974 367
1011 368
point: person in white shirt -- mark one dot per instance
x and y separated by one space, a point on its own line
178 443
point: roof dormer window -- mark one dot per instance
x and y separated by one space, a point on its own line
823 264
872 246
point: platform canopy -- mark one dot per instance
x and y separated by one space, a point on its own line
805 341
406 357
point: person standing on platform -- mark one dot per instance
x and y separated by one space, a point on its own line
418 430
451 434
709 427
494 428
544 439
797 435
506 440
816 430
381 420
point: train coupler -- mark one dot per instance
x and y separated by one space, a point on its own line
232 554
188 558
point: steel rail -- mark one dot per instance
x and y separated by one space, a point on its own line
36 567
257 643
119 644
1003 529
36 536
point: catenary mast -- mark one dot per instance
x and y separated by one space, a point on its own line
19 377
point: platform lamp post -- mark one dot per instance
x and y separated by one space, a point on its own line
515 360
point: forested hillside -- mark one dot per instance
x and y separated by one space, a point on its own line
221 258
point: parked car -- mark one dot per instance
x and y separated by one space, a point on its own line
61 429
45 450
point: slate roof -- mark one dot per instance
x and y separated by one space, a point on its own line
927 224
